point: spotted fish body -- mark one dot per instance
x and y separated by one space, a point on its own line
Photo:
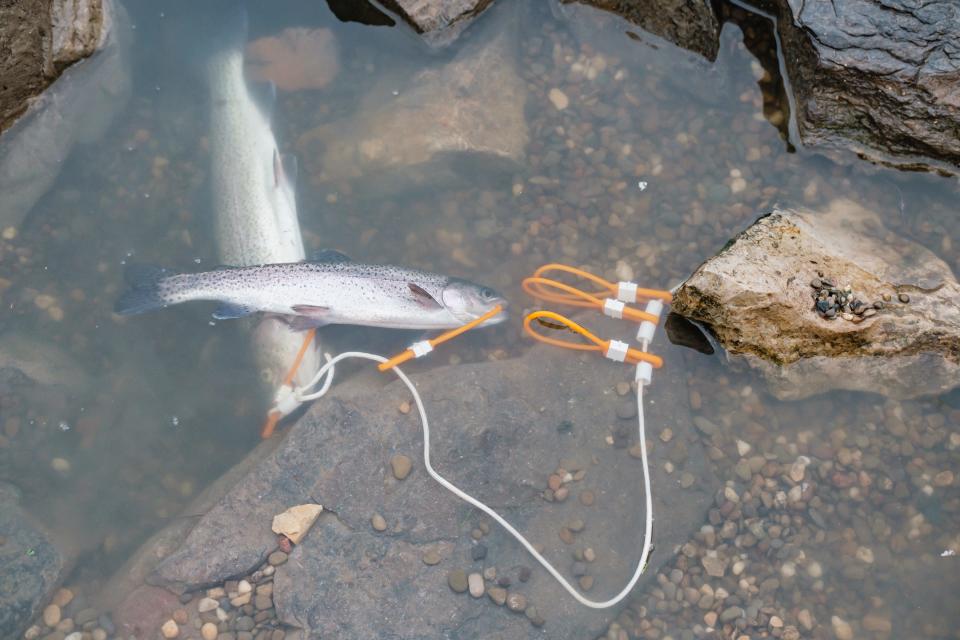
320 293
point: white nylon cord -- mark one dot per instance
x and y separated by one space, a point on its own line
648 529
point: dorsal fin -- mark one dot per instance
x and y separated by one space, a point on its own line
328 255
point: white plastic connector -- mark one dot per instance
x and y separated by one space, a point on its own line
648 328
627 291
613 308
285 401
421 348
644 374
617 350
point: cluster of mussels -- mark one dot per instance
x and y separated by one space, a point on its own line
831 301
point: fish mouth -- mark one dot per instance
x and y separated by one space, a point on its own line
500 317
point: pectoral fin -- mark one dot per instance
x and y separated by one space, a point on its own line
308 317
228 311
423 298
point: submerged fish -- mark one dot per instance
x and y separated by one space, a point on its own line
329 289
252 184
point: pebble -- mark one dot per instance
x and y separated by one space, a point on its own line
587 498
710 618
478 552
62 597
732 613
244 623
60 465
559 99
170 629
378 523
534 617
805 618
179 616
277 558
576 525
589 554
776 622
877 622
516 602
623 388
99 634
457 580
904 298
209 631
51 615
207 604
475 584
586 582
76 635
401 466
404 407
566 535
841 628
497 594
705 426
743 448
431 557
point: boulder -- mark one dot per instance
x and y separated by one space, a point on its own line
439 22
879 76
690 25
41 38
499 430
32 566
447 125
77 108
756 297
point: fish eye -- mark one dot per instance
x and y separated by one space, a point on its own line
487 293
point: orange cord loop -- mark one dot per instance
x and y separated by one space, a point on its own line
536 287
634 356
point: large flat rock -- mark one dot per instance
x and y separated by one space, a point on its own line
879 76
755 296
499 429
447 125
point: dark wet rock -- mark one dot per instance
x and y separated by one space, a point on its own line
361 11
41 38
690 25
77 108
439 22
339 453
755 297
445 126
31 567
879 76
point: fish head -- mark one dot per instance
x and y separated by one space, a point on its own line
467 301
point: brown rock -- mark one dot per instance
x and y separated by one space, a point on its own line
439 22
296 521
756 299
401 466
295 59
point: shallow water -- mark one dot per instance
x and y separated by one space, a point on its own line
657 161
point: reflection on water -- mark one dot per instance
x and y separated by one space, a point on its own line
642 161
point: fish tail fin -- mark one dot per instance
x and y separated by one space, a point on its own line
200 34
145 292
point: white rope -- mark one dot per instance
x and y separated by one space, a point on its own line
648 528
